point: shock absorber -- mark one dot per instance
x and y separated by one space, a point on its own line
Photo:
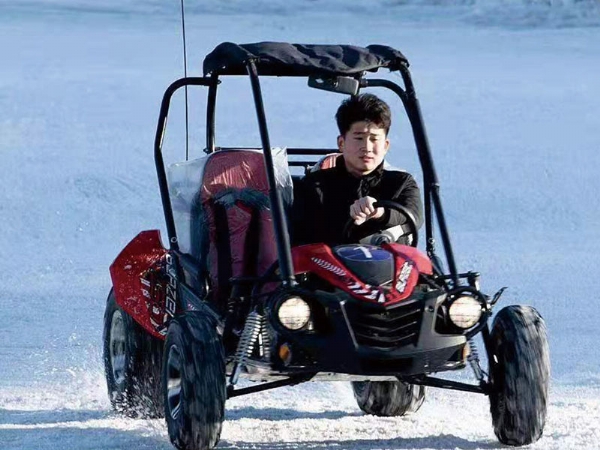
245 346
473 359
265 340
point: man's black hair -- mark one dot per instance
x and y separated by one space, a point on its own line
363 107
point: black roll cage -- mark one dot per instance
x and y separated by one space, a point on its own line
409 99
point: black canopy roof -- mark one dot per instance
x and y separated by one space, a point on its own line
282 59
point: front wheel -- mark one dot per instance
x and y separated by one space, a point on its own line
194 382
132 364
388 398
519 375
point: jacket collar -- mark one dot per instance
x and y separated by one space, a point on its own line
376 174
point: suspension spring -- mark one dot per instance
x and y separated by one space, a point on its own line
473 359
265 340
246 344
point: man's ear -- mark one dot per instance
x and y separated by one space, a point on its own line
340 143
387 145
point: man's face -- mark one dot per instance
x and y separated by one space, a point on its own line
364 146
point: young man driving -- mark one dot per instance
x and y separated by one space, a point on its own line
326 200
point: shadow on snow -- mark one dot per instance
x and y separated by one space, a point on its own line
250 412
442 441
53 429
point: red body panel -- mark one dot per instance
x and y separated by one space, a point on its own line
408 261
139 281
421 261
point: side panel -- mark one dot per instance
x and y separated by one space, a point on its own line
420 260
140 281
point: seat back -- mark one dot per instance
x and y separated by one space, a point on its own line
326 162
230 228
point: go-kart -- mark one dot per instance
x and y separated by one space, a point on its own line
230 299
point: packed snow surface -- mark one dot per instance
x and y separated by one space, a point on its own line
511 97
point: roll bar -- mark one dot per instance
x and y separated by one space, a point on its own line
433 204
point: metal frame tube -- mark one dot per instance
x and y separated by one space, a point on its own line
292 151
431 188
432 182
279 224
210 114
291 381
158 157
482 388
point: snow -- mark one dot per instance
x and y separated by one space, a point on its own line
510 95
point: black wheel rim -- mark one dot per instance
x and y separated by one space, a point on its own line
174 365
117 347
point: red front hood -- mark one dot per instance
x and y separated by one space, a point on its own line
409 262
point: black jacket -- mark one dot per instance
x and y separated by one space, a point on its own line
322 201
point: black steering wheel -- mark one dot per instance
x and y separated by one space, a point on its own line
411 222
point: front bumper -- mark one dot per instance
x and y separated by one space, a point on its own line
356 338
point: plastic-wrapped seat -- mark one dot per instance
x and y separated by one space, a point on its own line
222 213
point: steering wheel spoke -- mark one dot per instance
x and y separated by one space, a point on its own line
391 234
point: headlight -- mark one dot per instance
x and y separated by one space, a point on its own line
465 312
294 313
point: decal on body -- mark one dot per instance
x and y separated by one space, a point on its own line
403 277
330 267
171 297
367 291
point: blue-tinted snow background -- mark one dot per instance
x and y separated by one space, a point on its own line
510 94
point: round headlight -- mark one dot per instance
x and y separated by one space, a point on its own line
465 312
294 313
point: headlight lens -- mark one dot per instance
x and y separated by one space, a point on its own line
294 313
465 312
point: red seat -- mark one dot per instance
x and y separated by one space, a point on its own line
235 202
326 162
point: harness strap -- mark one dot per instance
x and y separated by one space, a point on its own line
223 246
251 247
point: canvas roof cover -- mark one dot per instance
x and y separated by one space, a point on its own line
282 59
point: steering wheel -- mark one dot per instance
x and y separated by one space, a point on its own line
411 223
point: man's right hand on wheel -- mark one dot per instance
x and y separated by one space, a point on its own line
363 210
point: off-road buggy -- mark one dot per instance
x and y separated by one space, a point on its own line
230 299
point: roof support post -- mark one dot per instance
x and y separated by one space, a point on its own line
210 114
158 157
279 223
432 186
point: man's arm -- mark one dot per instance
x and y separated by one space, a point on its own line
409 196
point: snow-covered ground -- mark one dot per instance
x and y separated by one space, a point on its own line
512 106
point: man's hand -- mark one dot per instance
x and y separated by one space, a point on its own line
363 210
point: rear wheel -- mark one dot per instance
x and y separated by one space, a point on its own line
388 398
132 364
519 375
194 381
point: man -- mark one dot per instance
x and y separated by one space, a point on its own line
325 200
